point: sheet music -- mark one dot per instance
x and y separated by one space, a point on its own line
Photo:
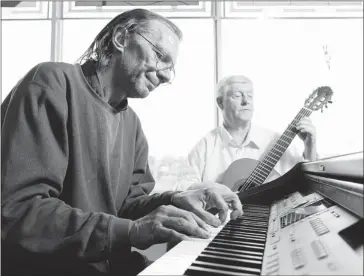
179 258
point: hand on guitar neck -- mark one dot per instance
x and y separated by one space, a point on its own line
307 133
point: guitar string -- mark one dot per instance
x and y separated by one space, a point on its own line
258 173
283 142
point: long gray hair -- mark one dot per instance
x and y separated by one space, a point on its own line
101 48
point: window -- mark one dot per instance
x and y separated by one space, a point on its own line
174 117
24 44
109 9
293 9
78 36
25 10
285 60
278 44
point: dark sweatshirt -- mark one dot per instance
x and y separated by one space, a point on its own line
74 174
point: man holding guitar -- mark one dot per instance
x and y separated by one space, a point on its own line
240 140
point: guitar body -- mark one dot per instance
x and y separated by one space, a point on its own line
239 171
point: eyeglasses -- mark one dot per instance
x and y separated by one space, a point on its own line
160 56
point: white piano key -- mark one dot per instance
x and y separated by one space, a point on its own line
236 251
228 266
180 257
240 242
207 270
219 252
230 258
176 260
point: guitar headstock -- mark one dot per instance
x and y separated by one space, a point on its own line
319 98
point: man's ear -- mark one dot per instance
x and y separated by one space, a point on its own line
118 38
220 103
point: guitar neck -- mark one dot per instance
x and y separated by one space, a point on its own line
267 163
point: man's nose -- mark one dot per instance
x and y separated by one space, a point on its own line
244 100
164 75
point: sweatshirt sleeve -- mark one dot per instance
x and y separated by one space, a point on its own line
34 162
138 202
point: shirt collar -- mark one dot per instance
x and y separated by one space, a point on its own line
253 138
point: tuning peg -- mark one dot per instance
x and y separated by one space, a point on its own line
330 101
326 105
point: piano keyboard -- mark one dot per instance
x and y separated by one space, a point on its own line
238 248
316 230
237 245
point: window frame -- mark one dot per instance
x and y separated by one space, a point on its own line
57 12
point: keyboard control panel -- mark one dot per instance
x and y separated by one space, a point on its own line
304 238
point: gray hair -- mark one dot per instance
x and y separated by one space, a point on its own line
133 20
225 82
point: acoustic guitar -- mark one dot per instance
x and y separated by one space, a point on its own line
246 173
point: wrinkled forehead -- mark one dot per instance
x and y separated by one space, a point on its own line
164 38
239 86
163 34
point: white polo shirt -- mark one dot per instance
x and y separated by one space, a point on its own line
214 153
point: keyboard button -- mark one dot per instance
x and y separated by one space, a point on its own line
297 257
293 238
319 249
332 266
319 227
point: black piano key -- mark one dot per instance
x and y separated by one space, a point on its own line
237 228
253 215
238 248
236 242
237 237
240 230
228 245
249 222
219 269
227 254
250 216
202 271
258 207
229 261
234 251
242 234
257 211
241 238
246 229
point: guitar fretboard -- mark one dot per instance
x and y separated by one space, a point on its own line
267 163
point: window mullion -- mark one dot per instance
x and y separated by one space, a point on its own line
56 30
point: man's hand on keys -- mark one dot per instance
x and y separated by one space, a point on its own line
166 224
216 196
189 217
